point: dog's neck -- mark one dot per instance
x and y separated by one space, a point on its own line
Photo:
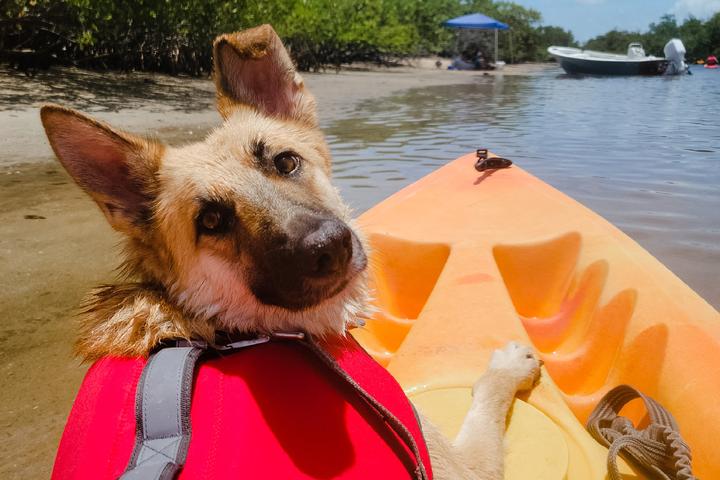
130 319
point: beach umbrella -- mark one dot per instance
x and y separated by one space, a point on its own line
478 21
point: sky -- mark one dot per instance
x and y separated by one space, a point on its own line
589 18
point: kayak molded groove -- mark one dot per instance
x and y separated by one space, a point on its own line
405 274
577 338
461 263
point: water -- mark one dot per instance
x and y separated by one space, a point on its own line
644 152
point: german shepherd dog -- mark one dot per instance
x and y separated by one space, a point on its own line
244 232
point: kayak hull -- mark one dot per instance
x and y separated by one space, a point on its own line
464 262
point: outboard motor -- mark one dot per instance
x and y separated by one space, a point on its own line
675 54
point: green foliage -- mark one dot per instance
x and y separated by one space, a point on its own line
175 35
700 38
550 35
331 32
616 41
523 33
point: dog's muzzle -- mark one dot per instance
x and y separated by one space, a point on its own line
315 260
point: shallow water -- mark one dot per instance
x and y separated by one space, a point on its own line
644 152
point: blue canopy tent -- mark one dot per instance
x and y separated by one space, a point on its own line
478 21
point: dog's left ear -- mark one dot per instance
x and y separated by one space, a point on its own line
253 68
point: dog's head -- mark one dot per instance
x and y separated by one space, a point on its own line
245 228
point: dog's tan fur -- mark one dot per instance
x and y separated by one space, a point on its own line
179 283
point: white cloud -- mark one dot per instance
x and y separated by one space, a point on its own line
697 8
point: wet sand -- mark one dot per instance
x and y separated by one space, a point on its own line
55 244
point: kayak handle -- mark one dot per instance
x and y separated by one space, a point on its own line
484 163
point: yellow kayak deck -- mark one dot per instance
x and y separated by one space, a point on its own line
463 262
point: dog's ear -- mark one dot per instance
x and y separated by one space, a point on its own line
115 168
253 68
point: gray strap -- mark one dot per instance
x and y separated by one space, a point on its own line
162 414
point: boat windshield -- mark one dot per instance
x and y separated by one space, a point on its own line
635 50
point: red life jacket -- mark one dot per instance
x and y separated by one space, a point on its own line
270 411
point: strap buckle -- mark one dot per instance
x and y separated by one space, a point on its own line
288 336
243 343
239 344
260 339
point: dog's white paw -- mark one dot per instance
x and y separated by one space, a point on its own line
519 362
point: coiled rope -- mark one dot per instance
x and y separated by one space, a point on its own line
658 448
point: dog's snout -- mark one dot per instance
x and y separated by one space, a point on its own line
326 250
313 259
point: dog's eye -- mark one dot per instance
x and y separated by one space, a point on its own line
286 163
215 218
211 220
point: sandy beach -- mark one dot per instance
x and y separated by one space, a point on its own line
55 245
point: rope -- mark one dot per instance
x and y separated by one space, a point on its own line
658 448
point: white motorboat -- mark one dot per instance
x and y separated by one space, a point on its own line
634 62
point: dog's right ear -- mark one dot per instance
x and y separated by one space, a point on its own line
115 168
253 68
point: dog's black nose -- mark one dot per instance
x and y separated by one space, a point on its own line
313 259
326 249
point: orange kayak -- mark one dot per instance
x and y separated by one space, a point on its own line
463 262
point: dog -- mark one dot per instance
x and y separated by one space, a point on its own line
244 232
